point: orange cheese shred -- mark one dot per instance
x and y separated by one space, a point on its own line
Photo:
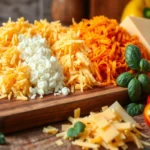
107 42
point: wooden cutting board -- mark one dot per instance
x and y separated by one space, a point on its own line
19 115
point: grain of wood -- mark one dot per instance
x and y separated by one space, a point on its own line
22 115
35 139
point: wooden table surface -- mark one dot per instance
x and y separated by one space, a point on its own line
35 139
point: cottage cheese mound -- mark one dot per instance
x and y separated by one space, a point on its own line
46 72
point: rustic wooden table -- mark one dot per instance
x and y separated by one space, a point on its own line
35 139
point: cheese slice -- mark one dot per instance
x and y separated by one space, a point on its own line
100 120
85 144
77 113
50 130
140 27
59 142
109 114
119 109
123 126
108 134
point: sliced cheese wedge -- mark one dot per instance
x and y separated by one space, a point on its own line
119 109
140 27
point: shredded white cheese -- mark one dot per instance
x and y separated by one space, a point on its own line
46 73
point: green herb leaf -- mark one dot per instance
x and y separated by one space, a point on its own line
76 130
134 90
79 126
134 109
133 57
72 133
124 79
145 83
2 138
144 66
146 13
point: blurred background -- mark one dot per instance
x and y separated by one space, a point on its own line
62 10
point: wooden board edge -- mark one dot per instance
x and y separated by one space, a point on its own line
51 114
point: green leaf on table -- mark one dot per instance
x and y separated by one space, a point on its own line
134 109
2 138
76 130
72 133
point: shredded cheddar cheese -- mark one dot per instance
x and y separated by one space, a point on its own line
15 77
72 55
90 53
107 129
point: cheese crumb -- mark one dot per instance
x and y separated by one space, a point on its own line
59 142
50 130
46 73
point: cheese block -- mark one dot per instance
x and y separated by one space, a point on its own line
140 27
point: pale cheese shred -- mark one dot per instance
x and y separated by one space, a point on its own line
107 129
65 44
72 55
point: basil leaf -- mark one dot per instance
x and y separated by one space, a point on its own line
72 133
146 12
134 109
124 79
2 138
79 126
145 82
134 90
76 130
133 57
144 66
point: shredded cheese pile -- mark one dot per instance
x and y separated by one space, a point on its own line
72 55
107 41
90 53
15 77
111 128
46 73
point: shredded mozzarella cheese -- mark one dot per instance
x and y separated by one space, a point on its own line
46 73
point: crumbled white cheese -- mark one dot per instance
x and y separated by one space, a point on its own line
46 73
65 91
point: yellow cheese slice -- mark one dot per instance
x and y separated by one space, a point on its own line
123 126
109 134
85 144
140 27
119 109
100 120
50 130
59 142
77 113
109 114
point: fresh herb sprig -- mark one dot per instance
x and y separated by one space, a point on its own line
2 139
138 83
76 130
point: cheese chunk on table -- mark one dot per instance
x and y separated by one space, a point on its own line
140 27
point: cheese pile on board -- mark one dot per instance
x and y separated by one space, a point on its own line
45 57
46 73
27 65
111 128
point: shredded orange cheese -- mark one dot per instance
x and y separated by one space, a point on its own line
107 41
91 53
72 55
